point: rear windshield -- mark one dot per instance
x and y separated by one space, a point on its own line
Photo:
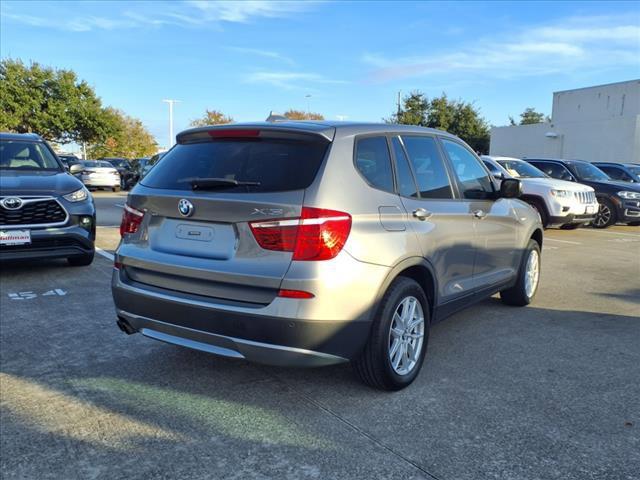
276 164
20 155
96 163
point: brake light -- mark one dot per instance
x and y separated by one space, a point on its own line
234 133
318 234
131 220
299 294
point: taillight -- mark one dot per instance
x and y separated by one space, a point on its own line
299 294
318 234
131 220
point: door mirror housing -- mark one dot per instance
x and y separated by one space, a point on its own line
510 188
77 168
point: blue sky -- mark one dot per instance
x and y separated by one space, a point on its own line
247 58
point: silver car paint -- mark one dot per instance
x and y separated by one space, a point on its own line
465 252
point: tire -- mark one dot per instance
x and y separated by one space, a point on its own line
634 224
606 215
541 209
81 261
521 293
571 226
374 366
115 189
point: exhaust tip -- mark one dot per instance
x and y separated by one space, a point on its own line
124 325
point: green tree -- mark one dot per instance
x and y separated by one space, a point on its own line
53 103
529 117
292 114
125 137
454 116
211 117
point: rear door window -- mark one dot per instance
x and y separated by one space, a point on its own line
428 167
374 162
554 170
406 182
273 164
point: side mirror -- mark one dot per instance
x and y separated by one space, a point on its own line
499 176
77 168
510 188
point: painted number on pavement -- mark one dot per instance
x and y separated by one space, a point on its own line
31 295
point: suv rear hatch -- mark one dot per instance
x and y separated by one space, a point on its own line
201 208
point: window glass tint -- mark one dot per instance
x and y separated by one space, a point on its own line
616 173
277 164
18 155
492 168
428 167
586 171
374 163
554 170
406 184
474 179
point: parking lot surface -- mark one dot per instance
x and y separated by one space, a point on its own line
546 392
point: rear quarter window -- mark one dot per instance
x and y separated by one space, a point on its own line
276 164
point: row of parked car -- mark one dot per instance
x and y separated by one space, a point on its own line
573 193
112 173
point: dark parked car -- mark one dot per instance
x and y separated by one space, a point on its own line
619 201
69 160
128 174
634 167
618 171
45 212
149 163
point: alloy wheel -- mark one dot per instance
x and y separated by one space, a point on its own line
406 335
532 273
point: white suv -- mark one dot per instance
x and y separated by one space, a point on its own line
559 203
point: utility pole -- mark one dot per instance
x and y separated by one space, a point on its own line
308 96
170 102
398 114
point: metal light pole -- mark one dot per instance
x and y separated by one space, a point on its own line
308 96
170 102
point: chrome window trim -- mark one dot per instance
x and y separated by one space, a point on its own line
33 199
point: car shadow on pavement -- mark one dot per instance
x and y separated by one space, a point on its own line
504 392
630 295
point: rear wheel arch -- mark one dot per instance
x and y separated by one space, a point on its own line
420 270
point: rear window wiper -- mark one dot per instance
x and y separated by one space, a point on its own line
215 183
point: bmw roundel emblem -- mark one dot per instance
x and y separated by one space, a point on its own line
11 203
185 207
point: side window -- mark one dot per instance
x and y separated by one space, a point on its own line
615 173
476 184
428 167
374 163
554 170
406 183
492 168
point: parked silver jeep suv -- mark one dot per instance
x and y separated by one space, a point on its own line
302 243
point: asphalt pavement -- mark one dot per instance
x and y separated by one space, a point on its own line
544 392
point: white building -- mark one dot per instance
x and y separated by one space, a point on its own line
600 123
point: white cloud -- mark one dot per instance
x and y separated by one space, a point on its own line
141 14
262 53
570 45
291 80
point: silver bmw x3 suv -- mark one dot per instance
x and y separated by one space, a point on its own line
314 243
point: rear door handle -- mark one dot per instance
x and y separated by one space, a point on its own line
421 214
479 213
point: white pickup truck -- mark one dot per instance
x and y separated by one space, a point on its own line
559 203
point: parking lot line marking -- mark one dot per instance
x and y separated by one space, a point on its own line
563 241
615 233
104 253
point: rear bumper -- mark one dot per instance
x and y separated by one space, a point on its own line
102 182
196 322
